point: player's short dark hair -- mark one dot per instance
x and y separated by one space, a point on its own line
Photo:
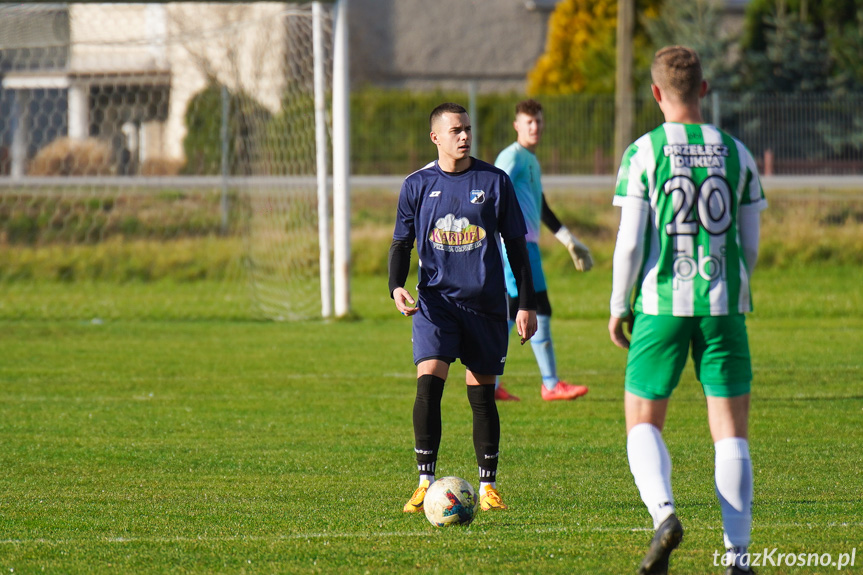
530 107
676 70
445 108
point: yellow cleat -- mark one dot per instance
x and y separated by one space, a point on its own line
415 503
490 500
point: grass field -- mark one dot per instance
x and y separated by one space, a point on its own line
254 447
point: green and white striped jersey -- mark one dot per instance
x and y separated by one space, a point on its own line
695 178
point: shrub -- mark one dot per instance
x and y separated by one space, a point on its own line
68 157
247 120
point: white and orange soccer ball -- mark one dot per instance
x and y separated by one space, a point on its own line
450 501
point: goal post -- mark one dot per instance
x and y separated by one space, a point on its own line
341 162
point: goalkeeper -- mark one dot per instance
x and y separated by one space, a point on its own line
519 161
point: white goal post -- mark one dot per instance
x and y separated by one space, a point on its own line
341 161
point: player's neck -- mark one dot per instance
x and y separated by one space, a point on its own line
684 114
454 166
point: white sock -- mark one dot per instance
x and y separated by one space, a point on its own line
485 485
429 478
651 468
733 477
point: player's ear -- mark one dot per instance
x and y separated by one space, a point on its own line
657 95
704 88
433 137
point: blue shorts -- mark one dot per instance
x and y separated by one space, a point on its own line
535 270
443 330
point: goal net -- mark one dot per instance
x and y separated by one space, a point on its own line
159 160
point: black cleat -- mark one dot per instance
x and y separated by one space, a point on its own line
665 540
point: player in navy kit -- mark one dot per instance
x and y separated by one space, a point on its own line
454 208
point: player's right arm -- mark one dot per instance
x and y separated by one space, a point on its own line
629 247
399 257
628 256
398 265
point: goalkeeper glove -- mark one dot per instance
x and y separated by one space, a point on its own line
578 251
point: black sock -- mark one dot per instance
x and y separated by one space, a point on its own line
486 430
427 422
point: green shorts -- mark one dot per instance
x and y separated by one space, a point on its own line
657 354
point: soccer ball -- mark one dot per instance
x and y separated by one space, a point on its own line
450 501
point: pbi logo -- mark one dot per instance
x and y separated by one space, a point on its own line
477 196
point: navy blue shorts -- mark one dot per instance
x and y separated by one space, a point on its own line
442 330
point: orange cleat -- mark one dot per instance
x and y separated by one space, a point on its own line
563 390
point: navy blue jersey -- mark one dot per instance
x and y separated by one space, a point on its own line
455 220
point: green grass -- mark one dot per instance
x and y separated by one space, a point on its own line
228 446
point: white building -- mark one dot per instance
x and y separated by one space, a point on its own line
124 73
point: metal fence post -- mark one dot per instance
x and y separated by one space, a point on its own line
223 136
714 104
474 116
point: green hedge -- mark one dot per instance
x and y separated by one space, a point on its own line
390 132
